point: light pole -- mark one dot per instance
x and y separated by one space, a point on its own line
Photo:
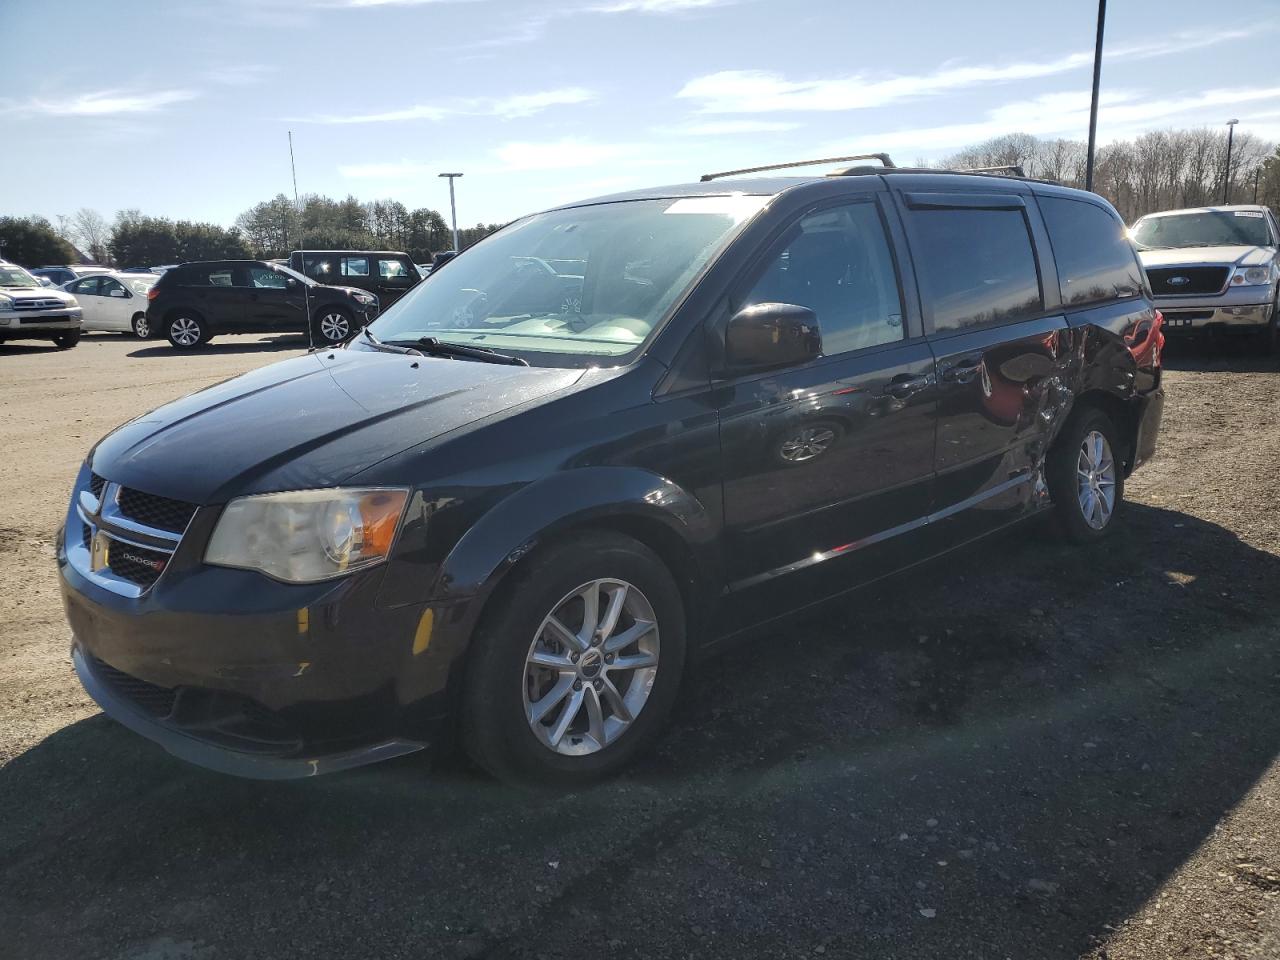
1093 104
453 209
1226 178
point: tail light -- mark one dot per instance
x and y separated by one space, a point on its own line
152 293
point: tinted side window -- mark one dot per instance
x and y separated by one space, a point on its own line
86 287
207 277
108 284
838 264
266 277
976 267
1095 259
393 269
355 266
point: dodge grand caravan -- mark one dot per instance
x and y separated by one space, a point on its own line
510 515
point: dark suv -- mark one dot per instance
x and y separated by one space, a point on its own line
387 274
192 303
523 514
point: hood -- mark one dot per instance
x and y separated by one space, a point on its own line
1182 256
312 421
37 293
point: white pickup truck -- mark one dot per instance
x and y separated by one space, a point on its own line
29 311
1214 269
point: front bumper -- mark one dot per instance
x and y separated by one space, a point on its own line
1184 315
38 323
242 674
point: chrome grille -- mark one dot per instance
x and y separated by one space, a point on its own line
127 537
46 304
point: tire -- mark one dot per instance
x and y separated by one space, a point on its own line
499 714
65 341
332 326
141 327
186 330
1081 503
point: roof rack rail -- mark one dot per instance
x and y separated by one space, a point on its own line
882 157
1014 169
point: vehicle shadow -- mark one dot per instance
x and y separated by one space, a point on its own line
282 342
1239 354
1004 754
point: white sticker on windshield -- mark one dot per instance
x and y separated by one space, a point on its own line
1250 213
739 206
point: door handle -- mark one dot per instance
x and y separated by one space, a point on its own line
907 384
964 372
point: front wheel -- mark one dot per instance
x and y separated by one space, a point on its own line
65 341
333 326
1086 476
187 331
141 328
578 665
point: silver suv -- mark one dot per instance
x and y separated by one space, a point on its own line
29 311
1213 269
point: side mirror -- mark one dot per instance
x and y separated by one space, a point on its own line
119 293
767 335
291 283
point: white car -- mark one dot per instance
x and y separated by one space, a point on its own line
114 301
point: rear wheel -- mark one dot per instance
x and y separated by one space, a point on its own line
186 331
1085 474
579 664
141 328
65 341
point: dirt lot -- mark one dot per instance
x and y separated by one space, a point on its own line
1062 754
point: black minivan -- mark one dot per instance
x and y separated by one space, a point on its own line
194 302
607 437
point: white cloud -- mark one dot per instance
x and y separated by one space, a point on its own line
760 91
527 104
557 155
507 108
657 6
721 128
1122 114
102 103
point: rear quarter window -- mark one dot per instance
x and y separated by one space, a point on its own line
1096 261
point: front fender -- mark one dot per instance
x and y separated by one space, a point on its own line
561 501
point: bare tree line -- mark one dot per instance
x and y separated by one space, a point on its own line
1160 170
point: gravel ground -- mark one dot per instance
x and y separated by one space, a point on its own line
1063 753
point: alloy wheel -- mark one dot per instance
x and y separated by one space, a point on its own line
185 332
591 667
1096 480
334 327
141 329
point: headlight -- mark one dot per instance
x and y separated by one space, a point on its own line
6 303
72 302
1250 276
308 535
365 298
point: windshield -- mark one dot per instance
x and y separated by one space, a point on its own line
572 286
1226 228
140 284
290 272
14 276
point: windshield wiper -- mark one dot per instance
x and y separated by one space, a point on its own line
385 347
440 348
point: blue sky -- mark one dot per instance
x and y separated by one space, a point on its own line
181 108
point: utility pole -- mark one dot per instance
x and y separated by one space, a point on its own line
1256 174
1093 104
453 208
1226 177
